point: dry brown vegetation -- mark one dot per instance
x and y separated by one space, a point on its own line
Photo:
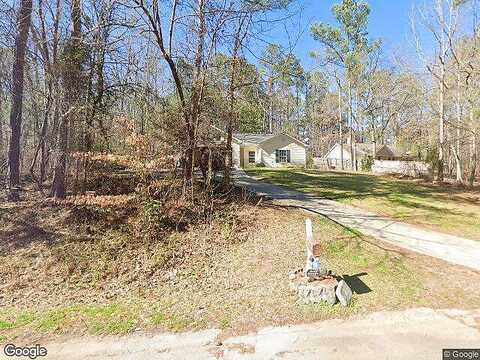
112 264
96 248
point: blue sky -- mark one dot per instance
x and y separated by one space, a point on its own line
389 20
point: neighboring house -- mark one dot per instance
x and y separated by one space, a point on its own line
389 160
389 152
332 159
270 150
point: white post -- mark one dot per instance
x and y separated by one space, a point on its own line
308 242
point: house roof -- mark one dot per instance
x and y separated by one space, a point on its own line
389 151
257 139
253 139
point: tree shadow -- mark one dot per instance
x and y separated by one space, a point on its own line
21 226
340 186
23 235
427 208
352 233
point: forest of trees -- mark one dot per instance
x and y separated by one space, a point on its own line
82 79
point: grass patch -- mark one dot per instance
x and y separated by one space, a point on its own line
173 322
224 323
5 325
110 319
446 209
51 320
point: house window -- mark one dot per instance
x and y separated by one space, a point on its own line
251 157
282 156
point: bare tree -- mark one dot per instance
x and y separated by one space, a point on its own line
237 43
72 81
189 99
442 25
49 55
23 28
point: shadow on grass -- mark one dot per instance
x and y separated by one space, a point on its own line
350 232
356 284
345 186
414 205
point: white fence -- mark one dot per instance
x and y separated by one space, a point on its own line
408 168
330 164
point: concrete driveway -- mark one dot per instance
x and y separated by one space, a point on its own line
451 248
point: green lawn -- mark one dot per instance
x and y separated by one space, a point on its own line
446 209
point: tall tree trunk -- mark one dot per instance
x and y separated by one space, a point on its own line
2 121
458 160
194 113
231 116
270 105
48 66
42 142
2 142
231 99
473 152
72 80
59 189
350 121
23 28
297 106
441 150
340 125
473 161
354 142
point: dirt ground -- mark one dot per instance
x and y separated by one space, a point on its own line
70 270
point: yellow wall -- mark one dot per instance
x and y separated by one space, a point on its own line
247 149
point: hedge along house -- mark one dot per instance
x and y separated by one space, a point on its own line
270 150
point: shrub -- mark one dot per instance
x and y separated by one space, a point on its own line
309 164
367 163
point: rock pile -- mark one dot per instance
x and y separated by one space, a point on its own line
328 289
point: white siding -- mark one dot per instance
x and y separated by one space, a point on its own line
282 142
268 159
235 154
335 153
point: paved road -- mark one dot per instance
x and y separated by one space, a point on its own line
451 248
419 334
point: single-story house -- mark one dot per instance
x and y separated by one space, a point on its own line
386 160
390 160
389 152
270 150
333 159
